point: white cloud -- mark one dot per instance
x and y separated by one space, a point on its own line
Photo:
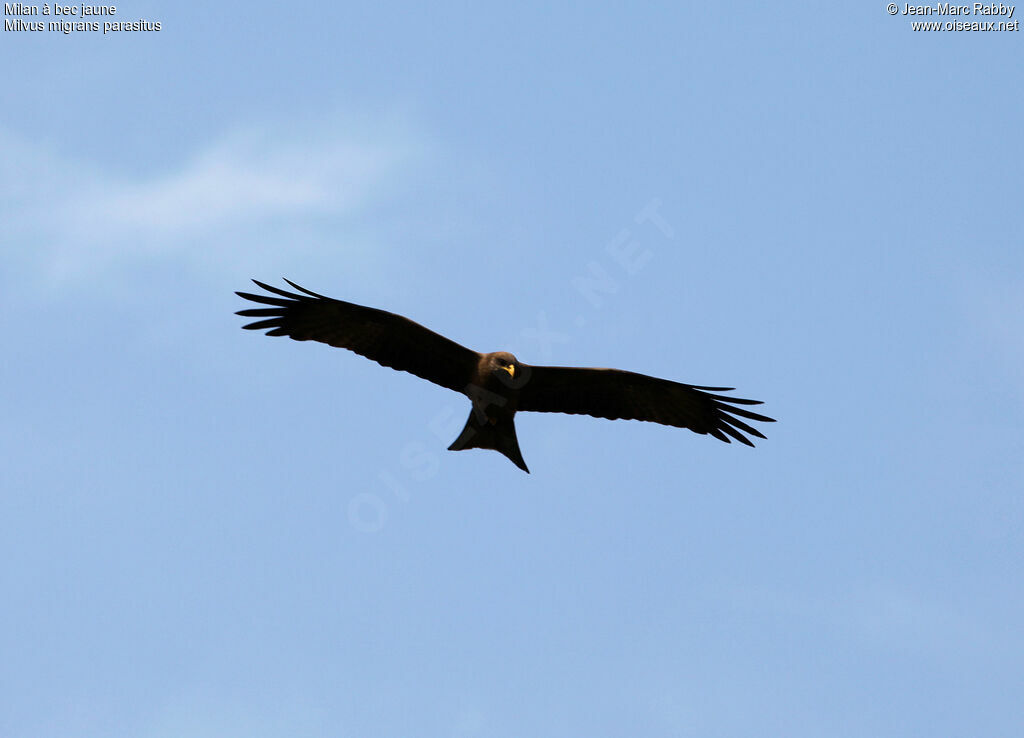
73 219
245 177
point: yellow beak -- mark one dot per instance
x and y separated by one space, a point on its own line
511 370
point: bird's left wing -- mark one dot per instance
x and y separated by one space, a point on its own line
614 394
390 340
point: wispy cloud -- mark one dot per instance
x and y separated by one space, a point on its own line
255 175
73 217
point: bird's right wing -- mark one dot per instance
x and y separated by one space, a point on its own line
614 394
384 337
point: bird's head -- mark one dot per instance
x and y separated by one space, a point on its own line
504 366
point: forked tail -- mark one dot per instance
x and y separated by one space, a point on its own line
499 435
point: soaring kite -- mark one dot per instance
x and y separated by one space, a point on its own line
498 384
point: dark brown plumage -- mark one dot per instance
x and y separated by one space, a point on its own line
498 384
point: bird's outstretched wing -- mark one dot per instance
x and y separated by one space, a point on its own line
388 339
614 394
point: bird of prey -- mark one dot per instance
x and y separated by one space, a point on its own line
498 384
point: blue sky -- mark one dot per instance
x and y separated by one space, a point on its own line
205 532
